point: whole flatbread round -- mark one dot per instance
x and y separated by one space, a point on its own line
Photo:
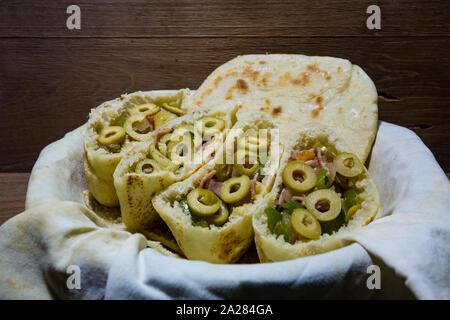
298 90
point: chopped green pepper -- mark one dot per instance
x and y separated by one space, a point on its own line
273 216
120 123
323 178
291 206
351 199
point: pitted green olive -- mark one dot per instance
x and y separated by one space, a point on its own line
235 189
246 162
173 109
305 224
146 109
181 150
162 117
185 130
223 171
220 217
147 166
348 165
163 142
111 135
203 202
324 204
211 125
298 176
138 127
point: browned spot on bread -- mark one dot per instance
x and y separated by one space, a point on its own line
249 72
313 68
217 81
364 117
340 110
231 74
242 85
121 98
339 69
262 62
267 101
230 245
302 80
328 78
319 100
265 109
240 106
315 113
276 111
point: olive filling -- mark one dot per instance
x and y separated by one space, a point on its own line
232 185
318 194
172 149
140 120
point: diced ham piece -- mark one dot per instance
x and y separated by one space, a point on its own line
206 178
253 184
214 186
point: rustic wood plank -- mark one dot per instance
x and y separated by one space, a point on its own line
203 18
49 85
13 187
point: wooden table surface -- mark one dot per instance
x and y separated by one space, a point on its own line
51 76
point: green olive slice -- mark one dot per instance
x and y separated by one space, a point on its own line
163 142
298 176
305 224
348 165
324 204
162 117
211 125
223 171
181 150
235 189
111 135
185 129
253 143
147 166
351 212
203 202
246 162
173 109
146 109
138 127
220 217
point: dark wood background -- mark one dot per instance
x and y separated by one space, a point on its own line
52 76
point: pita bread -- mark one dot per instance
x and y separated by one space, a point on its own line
272 248
217 244
99 162
136 190
298 90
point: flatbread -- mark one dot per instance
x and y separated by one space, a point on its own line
227 243
298 90
136 190
271 248
99 163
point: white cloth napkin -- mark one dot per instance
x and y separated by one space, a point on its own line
408 242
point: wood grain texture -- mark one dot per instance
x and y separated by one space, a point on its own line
13 188
236 18
52 83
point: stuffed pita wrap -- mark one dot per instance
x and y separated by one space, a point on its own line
210 213
298 90
175 151
322 192
116 125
